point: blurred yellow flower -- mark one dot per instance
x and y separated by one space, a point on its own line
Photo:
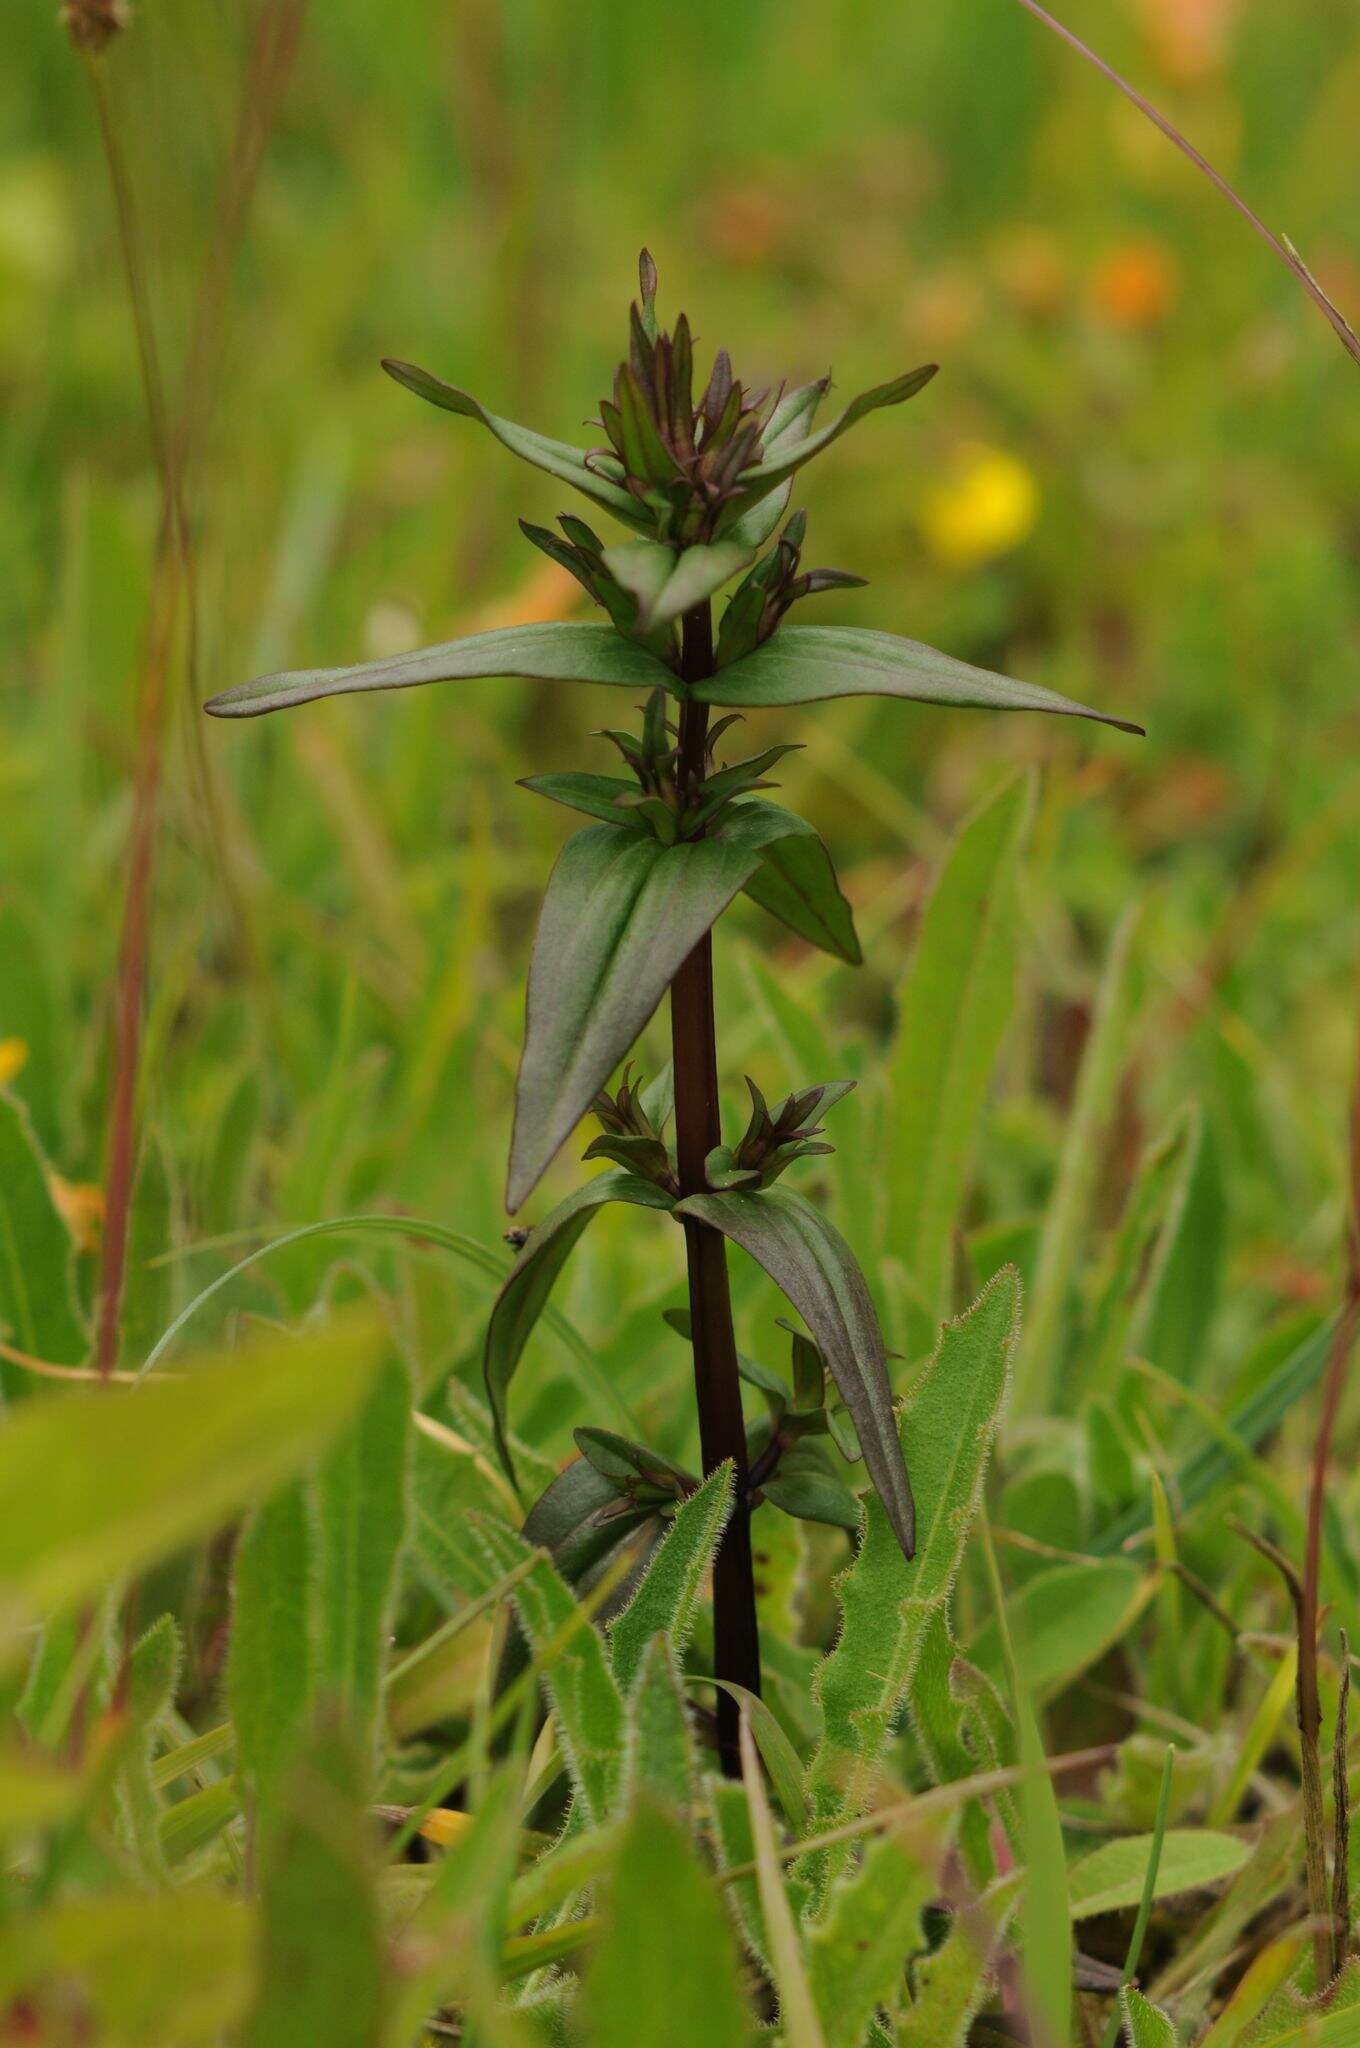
986 506
13 1056
80 1206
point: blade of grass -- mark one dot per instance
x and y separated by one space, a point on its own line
1135 1948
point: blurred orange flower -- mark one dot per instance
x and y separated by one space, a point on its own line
984 507
13 1057
1137 284
1190 37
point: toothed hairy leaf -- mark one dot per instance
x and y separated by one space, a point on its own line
734 1849
1145 2024
809 1260
950 1984
660 1752
666 1601
956 1002
557 652
621 914
858 1951
665 1970
572 1666
808 664
531 1280
152 1677
886 1603
362 1501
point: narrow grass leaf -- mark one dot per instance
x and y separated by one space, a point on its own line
956 1003
797 2008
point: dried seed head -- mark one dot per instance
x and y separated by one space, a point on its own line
91 24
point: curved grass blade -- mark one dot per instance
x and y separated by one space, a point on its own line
808 664
557 652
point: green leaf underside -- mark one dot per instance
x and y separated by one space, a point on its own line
558 458
557 652
1111 1878
808 664
886 1604
534 1274
811 1263
621 914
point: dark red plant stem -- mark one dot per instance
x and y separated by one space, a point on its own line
717 1386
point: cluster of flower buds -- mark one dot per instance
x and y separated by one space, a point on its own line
774 1138
632 1121
777 581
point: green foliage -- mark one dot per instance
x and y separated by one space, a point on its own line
1146 2024
1111 1878
867 1935
271 1669
666 1601
955 1006
37 1302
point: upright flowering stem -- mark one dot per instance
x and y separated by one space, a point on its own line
736 1643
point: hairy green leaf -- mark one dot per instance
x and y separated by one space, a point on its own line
858 1950
810 1262
660 1762
797 2009
106 1480
886 1604
272 1658
362 1500
956 1003
666 1600
573 1667
323 1975
807 664
452 1944
534 1274
553 653
950 1984
665 1970
1146 2025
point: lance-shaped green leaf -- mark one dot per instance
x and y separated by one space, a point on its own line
788 456
1146 2025
1112 1878
858 1951
665 583
553 653
813 1266
886 1604
572 1665
108 1479
955 1006
665 1602
558 458
790 423
534 1274
362 1497
1067 1617
797 883
806 664
621 914
596 795
323 1972
271 1662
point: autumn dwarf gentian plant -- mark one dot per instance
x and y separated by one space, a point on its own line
702 487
